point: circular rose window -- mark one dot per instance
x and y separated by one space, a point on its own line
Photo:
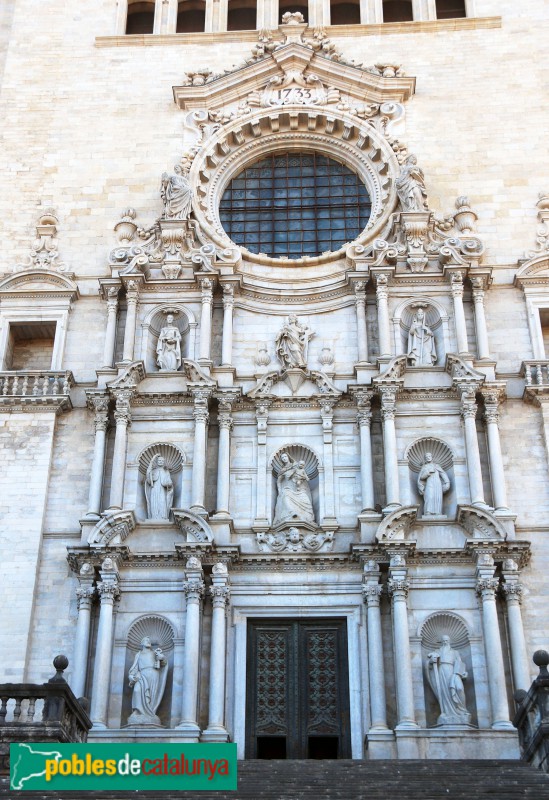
290 205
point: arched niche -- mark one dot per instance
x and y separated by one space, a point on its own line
174 458
431 631
183 319
436 318
299 452
162 634
442 455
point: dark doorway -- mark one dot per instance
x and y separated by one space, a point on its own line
297 703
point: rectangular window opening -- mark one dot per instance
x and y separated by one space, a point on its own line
30 346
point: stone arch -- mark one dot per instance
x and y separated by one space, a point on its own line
157 628
436 317
184 320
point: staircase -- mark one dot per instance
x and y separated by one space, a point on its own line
352 780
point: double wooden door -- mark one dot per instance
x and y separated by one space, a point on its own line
297 689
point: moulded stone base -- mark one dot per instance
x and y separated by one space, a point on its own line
381 744
188 732
215 735
461 744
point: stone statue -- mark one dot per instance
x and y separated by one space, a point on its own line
147 675
168 348
294 501
292 343
432 483
421 342
446 672
410 186
158 489
176 194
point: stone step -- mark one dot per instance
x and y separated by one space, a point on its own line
353 780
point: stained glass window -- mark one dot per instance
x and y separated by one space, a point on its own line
294 205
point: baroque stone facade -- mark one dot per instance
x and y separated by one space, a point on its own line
228 472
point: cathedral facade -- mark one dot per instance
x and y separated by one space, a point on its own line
274 330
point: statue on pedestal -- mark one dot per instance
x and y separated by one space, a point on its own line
147 676
168 347
158 489
410 186
294 501
421 342
177 195
292 344
432 483
446 673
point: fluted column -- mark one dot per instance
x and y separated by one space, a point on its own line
371 590
220 593
390 454
132 300
110 333
194 591
459 313
99 404
483 347
327 415
364 422
108 592
85 595
383 323
122 416
487 586
225 423
398 589
512 591
491 417
474 470
361 329
201 417
227 342
204 351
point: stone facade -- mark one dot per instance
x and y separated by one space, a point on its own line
294 472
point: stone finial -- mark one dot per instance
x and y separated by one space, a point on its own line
293 18
126 228
60 663
543 201
43 253
465 218
541 660
220 569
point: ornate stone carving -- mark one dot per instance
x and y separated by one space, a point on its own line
446 673
168 348
158 489
43 253
292 344
99 404
421 342
398 588
396 526
177 195
122 413
294 500
295 540
432 484
147 676
465 218
85 596
542 233
126 228
410 186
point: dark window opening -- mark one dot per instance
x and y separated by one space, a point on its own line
191 16
30 346
295 204
450 9
271 747
140 18
323 746
397 11
288 5
242 15
344 13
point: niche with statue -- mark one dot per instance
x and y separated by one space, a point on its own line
422 335
167 340
160 473
432 478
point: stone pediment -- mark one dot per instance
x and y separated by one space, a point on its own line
480 524
295 383
39 281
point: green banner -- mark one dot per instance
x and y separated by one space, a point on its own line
123 767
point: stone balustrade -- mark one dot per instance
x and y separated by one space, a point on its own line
532 716
536 373
36 387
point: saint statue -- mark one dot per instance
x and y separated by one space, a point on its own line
446 673
421 342
147 676
176 194
292 344
432 483
168 347
294 501
158 489
410 186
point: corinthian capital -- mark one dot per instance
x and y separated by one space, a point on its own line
398 588
122 413
388 401
487 587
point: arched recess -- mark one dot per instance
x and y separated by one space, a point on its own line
300 452
140 17
443 456
162 634
431 631
242 15
191 16
184 320
398 11
344 12
450 9
436 318
174 458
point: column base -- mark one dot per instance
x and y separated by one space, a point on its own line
381 743
391 507
407 725
502 725
189 732
216 733
97 725
200 510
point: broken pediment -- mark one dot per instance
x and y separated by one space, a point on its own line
294 382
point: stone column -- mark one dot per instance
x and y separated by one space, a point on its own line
132 300
108 593
100 405
390 455
122 415
204 351
201 417
487 586
220 593
225 422
110 333
327 415
85 595
459 313
364 422
383 323
483 347
469 413
262 416
361 329
491 417
194 591
371 590
227 343
512 591
398 589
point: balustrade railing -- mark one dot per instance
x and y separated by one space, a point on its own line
35 384
536 373
532 716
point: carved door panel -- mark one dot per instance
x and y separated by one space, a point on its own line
297 695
